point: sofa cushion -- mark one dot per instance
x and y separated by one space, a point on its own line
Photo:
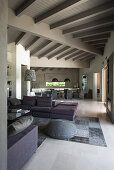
55 103
41 109
65 110
14 101
44 101
19 125
61 129
29 100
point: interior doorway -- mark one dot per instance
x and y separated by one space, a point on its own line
96 86
104 84
23 82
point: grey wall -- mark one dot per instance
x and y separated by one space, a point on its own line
60 74
3 92
98 64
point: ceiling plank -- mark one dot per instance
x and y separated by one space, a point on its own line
20 38
93 24
41 47
79 56
85 15
61 7
96 37
94 32
23 6
58 52
67 53
98 42
32 43
74 55
49 50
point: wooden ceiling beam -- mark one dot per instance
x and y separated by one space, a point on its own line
74 55
50 50
32 43
87 58
98 42
96 37
59 8
94 32
58 52
20 10
85 15
79 56
67 53
41 47
20 38
93 24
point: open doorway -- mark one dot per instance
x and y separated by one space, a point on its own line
96 86
23 82
104 84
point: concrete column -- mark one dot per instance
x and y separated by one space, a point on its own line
3 87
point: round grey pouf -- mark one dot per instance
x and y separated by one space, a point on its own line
61 129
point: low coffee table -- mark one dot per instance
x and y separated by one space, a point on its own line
13 116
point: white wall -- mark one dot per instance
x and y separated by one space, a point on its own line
61 74
44 62
22 58
3 87
97 64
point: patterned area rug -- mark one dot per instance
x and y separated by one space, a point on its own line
88 131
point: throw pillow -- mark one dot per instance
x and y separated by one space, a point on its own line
15 101
19 125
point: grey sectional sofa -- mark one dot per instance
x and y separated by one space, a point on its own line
45 107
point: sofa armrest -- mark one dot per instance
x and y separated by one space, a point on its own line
21 147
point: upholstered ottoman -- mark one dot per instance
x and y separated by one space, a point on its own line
64 111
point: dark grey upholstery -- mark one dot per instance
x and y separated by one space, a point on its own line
21 147
61 129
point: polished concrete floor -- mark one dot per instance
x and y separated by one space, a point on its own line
63 155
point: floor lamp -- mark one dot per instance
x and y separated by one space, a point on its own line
30 75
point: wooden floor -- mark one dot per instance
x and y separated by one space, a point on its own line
63 155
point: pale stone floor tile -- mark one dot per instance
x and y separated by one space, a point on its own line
64 155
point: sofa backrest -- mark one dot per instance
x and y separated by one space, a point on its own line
29 100
44 101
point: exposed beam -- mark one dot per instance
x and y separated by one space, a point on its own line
49 50
41 47
42 29
58 52
94 32
74 54
88 58
96 37
23 7
79 56
59 8
20 38
98 42
99 45
67 53
32 43
85 15
93 24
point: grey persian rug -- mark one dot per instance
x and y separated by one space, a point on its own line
88 131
